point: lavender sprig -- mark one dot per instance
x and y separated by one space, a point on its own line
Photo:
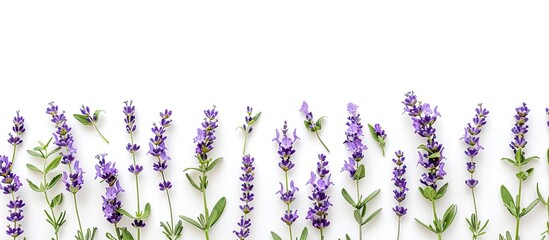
310 124
140 215
248 126
15 138
73 180
400 183
288 190
423 120
10 185
545 201
204 145
87 118
108 173
378 135
318 212
356 170
517 145
247 186
471 139
43 151
158 149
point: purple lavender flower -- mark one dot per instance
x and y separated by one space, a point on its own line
157 147
10 184
520 129
109 174
247 196
400 183
75 179
247 127
285 147
87 118
205 136
547 111
379 136
353 141
423 120
318 212
471 139
62 135
18 129
310 124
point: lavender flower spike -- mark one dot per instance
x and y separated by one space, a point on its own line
472 140
378 135
10 184
400 183
423 119
356 170
288 189
247 179
310 124
318 212
248 126
15 138
518 144
87 118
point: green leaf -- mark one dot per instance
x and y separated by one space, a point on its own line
373 133
422 192
34 187
360 172
429 227
53 164
213 164
82 119
191 221
449 216
358 217
374 214
347 237
348 197
96 114
255 117
35 154
506 195
511 161
146 212
57 149
424 148
511 208
193 183
34 168
304 234
58 199
109 236
547 155
529 207
430 193
53 181
434 155
318 123
440 193
527 160
125 213
370 197
218 209
540 197
519 156
191 168
275 236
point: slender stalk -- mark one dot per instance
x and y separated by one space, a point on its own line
169 200
321 234
320 139
77 213
46 195
206 211
439 235
15 222
136 187
517 220
13 156
358 199
116 231
100 134
288 205
245 141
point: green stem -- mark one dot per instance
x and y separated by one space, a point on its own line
383 151
358 200
439 235
77 213
206 211
321 234
320 139
46 195
245 141
517 219
207 234
97 129
116 231
288 205
398 228
13 156
136 187
169 200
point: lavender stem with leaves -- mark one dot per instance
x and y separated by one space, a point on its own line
108 174
288 189
517 145
472 140
357 170
400 191
318 212
204 145
378 135
311 125
542 199
423 120
135 169
86 118
247 179
74 178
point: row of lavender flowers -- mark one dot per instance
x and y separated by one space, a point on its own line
430 157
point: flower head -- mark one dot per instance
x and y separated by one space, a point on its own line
471 139
423 119
63 136
521 128
74 181
157 146
129 113
400 183
318 212
353 140
111 203
18 129
285 147
85 110
206 135
106 170
10 184
247 186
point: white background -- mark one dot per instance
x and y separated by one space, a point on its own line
187 56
